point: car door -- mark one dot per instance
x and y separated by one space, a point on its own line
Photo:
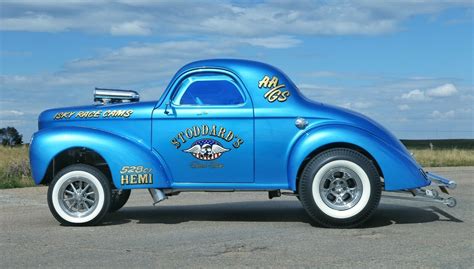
204 129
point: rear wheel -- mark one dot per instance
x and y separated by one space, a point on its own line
340 188
79 195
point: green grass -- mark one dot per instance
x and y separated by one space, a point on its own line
444 157
15 168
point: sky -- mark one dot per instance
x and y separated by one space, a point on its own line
407 64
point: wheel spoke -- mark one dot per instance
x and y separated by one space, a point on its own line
72 204
86 187
73 187
89 200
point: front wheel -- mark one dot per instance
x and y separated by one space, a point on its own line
79 195
119 199
340 188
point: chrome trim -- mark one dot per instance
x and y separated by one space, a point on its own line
301 123
105 96
157 195
441 181
431 195
424 195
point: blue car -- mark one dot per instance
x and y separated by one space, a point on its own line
222 125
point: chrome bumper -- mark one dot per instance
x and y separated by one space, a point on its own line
432 195
441 181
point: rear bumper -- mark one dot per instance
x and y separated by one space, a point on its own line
429 194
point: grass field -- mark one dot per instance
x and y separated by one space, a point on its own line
15 168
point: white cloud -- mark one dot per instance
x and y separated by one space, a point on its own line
274 42
415 95
442 115
10 113
33 23
230 18
444 90
357 105
130 28
403 107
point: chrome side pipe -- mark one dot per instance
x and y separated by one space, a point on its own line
157 195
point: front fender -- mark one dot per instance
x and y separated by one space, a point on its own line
399 170
117 151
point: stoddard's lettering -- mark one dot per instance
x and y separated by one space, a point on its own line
206 130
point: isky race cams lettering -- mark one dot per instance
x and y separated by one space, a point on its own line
94 114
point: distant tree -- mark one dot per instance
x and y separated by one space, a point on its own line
10 137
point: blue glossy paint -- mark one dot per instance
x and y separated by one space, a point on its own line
261 149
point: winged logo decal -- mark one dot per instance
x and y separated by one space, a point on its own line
206 149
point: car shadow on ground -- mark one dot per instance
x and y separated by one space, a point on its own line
267 211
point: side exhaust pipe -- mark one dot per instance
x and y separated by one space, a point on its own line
157 195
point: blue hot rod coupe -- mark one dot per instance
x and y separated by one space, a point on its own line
222 125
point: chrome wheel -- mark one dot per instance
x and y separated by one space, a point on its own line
78 197
341 188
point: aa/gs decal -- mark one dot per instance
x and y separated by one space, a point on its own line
208 148
133 175
275 91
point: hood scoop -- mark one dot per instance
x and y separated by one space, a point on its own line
114 96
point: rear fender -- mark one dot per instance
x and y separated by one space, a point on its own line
131 163
399 170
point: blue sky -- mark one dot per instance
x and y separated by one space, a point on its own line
407 64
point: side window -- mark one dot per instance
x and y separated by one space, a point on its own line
209 90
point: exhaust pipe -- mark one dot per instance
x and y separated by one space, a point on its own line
157 195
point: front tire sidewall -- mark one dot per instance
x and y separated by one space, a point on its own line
99 181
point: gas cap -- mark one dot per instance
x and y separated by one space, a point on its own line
301 123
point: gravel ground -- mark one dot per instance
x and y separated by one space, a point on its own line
237 230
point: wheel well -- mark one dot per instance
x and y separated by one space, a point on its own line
336 145
74 156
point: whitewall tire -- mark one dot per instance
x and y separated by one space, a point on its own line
79 195
340 188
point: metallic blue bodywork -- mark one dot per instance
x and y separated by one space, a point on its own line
269 155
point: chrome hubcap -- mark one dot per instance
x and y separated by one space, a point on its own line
340 188
78 197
